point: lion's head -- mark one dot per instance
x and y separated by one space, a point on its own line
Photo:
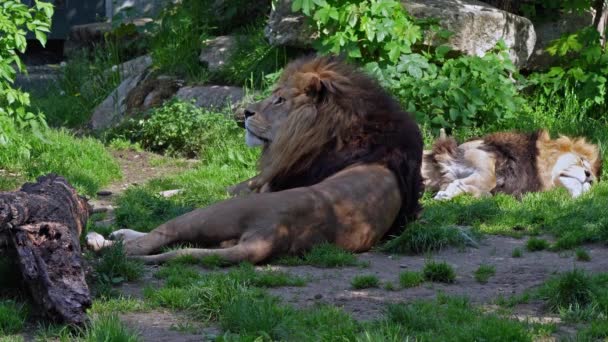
325 115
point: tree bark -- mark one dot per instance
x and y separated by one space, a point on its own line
43 222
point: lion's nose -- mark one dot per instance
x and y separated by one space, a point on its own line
587 173
248 113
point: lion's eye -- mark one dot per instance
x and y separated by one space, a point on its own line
278 100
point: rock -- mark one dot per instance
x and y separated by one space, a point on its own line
218 51
104 193
211 96
133 67
287 28
150 93
547 31
112 110
477 27
149 8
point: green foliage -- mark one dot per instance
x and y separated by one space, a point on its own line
107 327
16 20
113 267
582 255
535 245
376 30
365 282
583 69
466 91
452 319
422 238
12 317
324 255
573 288
484 273
180 129
517 253
462 92
438 272
409 279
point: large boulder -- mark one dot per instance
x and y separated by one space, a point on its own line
477 26
113 109
212 96
218 51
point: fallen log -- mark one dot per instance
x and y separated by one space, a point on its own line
42 222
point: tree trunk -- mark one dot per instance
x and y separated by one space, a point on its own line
43 221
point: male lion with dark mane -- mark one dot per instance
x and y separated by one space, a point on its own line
340 164
512 163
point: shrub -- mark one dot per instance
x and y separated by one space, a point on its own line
180 128
439 272
16 20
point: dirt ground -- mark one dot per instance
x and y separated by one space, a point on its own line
333 286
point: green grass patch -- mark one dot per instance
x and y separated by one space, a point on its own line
422 238
535 244
108 327
365 282
440 272
409 279
484 273
84 162
582 255
116 305
12 317
517 253
453 319
324 255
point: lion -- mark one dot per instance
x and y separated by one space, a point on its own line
340 164
511 163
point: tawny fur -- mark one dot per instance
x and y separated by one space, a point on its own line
512 163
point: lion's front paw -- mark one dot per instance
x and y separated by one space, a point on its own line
96 241
442 195
126 234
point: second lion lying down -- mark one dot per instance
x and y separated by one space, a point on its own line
511 163
341 164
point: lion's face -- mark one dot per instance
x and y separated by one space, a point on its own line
264 119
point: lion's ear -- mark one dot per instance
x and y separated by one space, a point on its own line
311 83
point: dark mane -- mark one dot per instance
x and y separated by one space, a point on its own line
366 126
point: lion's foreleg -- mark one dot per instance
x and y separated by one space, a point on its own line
251 251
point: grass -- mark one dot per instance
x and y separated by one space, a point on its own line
12 317
409 279
440 272
112 267
535 245
365 282
422 238
582 255
453 319
108 327
324 255
573 288
517 253
84 162
484 273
